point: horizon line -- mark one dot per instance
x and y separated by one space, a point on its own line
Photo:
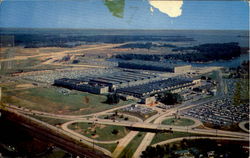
126 29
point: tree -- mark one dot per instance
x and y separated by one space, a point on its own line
113 98
115 131
203 78
169 98
237 95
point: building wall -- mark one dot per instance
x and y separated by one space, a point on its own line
83 87
181 69
104 90
149 101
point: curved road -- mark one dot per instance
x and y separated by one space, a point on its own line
242 126
65 127
157 119
198 137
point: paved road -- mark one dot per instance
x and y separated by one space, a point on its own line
198 137
63 117
53 129
157 119
145 142
123 143
65 127
242 126
191 129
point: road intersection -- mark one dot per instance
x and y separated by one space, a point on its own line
152 123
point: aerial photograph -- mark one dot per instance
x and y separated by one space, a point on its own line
124 79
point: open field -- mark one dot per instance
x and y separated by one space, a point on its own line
8 67
178 122
51 121
58 153
139 115
19 53
100 132
132 146
109 147
119 117
159 137
53 101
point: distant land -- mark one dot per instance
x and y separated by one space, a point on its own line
64 37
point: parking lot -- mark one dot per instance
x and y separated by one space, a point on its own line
219 112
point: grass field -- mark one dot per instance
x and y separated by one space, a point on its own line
50 121
139 115
159 137
55 153
132 146
178 122
99 132
17 65
119 117
109 147
53 101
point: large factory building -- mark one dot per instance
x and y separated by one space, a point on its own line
155 66
81 86
109 82
170 84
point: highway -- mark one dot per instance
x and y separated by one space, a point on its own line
198 137
189 129
52 134
141 125
123 143
154 126
150 124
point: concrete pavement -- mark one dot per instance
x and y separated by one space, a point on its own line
123 143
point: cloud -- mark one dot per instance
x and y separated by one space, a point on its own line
172 8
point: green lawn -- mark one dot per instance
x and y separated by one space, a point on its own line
132 146
103 132
56 153
178 122
119 117
109 147
17 65
139 115
51 121
159 137
53 101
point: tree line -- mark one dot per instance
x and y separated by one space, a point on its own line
201 53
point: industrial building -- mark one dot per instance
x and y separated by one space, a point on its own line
127 83
124 79
81 86
181 68
170 84
109 82
156 66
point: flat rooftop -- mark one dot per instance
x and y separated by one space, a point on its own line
155 86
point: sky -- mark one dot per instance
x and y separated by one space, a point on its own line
125 14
